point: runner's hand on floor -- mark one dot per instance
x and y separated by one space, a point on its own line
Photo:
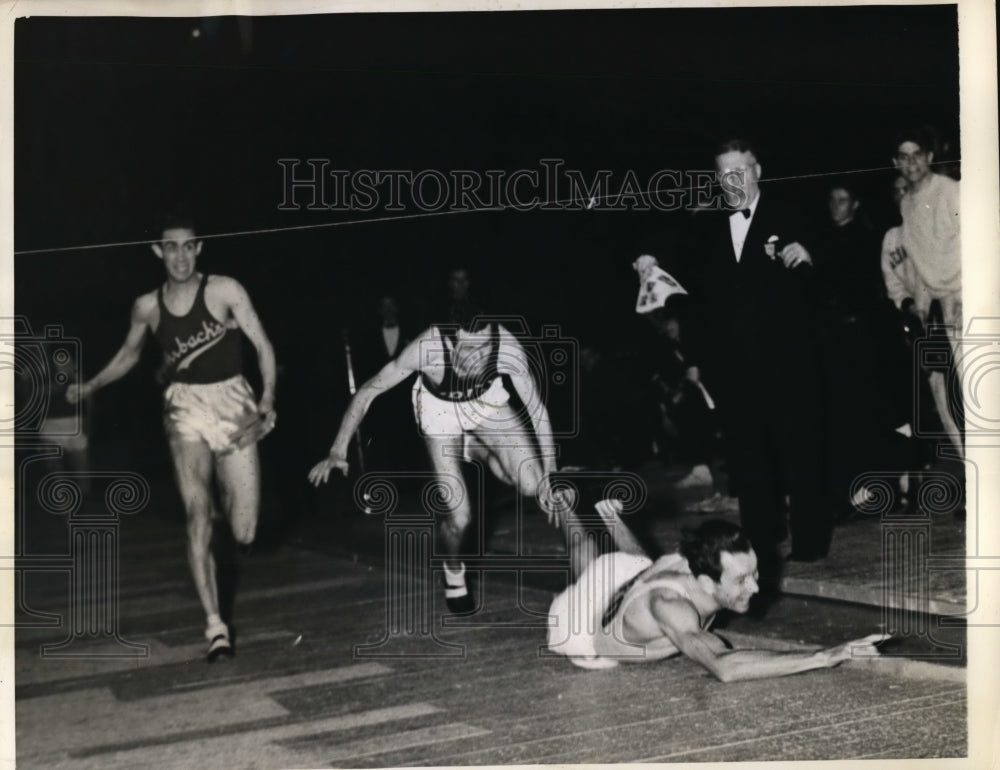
858 648
320 472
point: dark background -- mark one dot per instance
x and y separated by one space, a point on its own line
118 119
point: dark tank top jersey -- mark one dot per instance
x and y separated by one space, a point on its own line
454 387
197 348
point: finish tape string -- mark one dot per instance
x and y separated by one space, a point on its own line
589 204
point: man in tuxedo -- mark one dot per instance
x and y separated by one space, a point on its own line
388 435
754 287
391 337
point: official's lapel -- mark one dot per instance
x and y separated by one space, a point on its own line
753 245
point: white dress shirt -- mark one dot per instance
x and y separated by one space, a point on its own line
739 226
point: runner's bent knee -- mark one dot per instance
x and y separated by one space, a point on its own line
199 525
244 531
239 482
453 527
529 478
459 518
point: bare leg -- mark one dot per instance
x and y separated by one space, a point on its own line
951 315
512 458
951 309
444 454
239 480
193 471
939 390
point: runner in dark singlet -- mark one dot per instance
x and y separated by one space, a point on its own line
211 415
466 385
462 408
187 339
626 607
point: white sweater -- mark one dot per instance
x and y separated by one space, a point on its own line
901 277
930 235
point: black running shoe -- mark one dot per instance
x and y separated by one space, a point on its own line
220 648
461 605
458 598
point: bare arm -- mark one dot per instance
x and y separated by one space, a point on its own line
680 623
388 377
126 357
515 366
238 302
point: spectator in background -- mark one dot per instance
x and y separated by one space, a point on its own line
678 398
687 416
685 403
394 338
903 283
913 297
450 288
388 442
460 285
863 353
930 232
847 261
929 240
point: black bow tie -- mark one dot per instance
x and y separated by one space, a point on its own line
744 212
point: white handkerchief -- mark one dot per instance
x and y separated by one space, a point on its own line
656 285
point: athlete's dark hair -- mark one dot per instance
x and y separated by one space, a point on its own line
177 220
843 183
919 135
703 546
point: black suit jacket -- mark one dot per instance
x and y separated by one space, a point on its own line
368 348
757 318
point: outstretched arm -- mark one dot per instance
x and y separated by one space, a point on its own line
126 357
388 377
681 624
